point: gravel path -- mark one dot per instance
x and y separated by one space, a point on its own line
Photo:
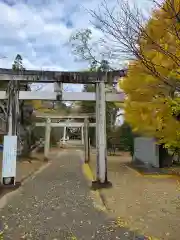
56 205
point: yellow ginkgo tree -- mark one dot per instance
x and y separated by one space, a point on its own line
152 46
152 84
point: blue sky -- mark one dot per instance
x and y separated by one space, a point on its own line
39 30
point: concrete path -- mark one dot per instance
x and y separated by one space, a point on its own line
56 205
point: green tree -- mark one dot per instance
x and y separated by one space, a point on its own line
85 49
122 137
18 63
126 138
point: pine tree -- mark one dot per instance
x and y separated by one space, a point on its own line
18 63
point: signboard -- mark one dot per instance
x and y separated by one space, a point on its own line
9 157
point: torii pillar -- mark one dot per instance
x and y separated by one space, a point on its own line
101 167
82 135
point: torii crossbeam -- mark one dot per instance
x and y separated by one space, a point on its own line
59 76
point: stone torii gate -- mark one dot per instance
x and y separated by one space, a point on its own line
48 124
58 78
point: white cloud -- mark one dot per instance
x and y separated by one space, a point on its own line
38 34
40 29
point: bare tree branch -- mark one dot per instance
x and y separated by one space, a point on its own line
125 27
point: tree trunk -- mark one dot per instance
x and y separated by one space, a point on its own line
28 142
